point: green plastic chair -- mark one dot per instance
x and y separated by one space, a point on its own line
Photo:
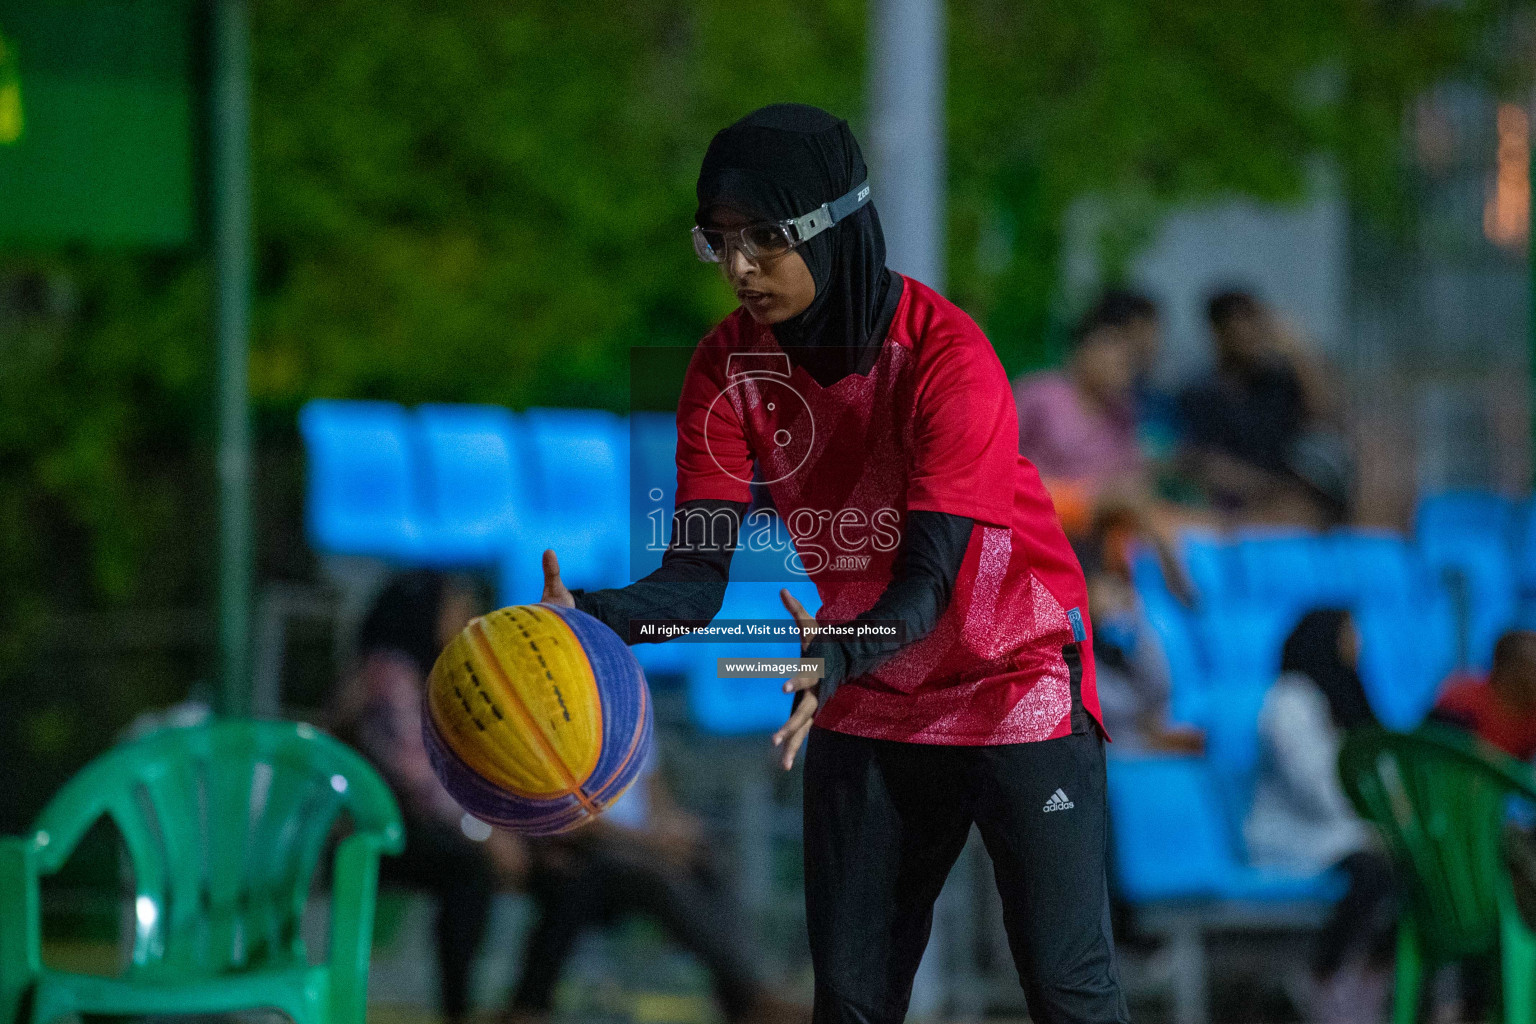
224 825
1440 800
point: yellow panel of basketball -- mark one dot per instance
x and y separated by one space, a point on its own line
515 699
458 702
556 685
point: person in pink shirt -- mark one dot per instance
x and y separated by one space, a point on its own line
1078 425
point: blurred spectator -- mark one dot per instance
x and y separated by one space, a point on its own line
1500 709
1156 410
1261 430
649 859
1133 673
1302 822
1078 426
645 855
459 860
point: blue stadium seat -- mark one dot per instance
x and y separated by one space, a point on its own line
578 468
1189 687
362 483
1406 652
1525 554
1171 842
1377 566
1242 642
1232 745
475 483
1147 572
1307 570
1208 564
665 659
1454 514
652 487
1469 542
1285 569
652 469
1479 574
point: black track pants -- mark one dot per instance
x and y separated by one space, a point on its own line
884 823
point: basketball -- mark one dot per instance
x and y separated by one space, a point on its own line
537 718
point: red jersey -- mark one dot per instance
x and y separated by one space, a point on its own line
1471 703
931 426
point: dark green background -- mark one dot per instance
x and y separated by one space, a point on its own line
108 100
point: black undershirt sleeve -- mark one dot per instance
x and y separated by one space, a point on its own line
922 583
689 586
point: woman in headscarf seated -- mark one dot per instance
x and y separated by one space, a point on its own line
1302 822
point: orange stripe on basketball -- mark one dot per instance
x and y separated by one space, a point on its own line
515 700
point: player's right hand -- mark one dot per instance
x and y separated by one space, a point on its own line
805 686
554 590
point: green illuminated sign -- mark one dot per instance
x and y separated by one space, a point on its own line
103 149
10 95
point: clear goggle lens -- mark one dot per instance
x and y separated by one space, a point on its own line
756 242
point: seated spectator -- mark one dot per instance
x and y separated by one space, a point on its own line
1156 410
601 873
457 859
1078 426
1302 822
1501 709
1259 434
1134 681
644 856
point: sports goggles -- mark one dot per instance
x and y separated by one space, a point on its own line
769 239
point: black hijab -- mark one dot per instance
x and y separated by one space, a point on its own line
404 618
1312 650
784 161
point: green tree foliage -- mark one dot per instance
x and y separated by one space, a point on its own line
1162 101
491 202
483 201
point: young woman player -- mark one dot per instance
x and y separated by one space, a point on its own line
986 713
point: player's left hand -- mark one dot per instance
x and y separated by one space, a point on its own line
793 732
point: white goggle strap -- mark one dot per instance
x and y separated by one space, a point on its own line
828 214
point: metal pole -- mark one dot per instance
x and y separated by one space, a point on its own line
906 164
231 229
907 71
